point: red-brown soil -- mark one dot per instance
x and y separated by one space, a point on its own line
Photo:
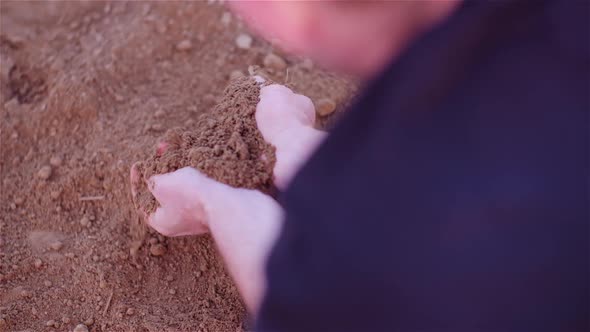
87 89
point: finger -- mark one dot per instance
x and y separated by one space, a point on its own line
275 111
165 187
281 105
165 222
178 220
183 184
307 109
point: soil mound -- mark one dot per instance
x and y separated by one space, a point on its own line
225 144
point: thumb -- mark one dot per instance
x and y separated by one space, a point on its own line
280 109
182 195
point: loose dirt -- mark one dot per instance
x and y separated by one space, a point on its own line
225 144
87 89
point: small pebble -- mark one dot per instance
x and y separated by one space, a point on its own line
159 113
184 45
157 249
44 172
236 74
169 278
161 27
217 150
50 322
54 194
172 291
243 41
47 283
102 284
19 200
89 321
57 245
85 222
55 161
38 263
119 98
325 106
153 240
130 312
275 62
226 18
65 320
81 328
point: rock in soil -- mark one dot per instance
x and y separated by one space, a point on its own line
325 106
274 62
44 172
244 41
55 161
184 45
81 328
157 249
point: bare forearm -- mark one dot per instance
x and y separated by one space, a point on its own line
245 225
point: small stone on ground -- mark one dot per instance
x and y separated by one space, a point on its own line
243 41
184 45
325 106
44 172
275 62
81 328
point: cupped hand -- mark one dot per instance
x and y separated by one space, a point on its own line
187 197
182 209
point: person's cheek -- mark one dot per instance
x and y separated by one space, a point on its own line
254 13
285 24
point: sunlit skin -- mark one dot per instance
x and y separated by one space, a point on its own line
359 38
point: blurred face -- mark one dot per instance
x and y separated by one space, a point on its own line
357 37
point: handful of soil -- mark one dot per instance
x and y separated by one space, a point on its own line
225 144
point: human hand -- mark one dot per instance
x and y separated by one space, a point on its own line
189 200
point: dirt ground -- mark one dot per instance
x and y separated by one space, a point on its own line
87 88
